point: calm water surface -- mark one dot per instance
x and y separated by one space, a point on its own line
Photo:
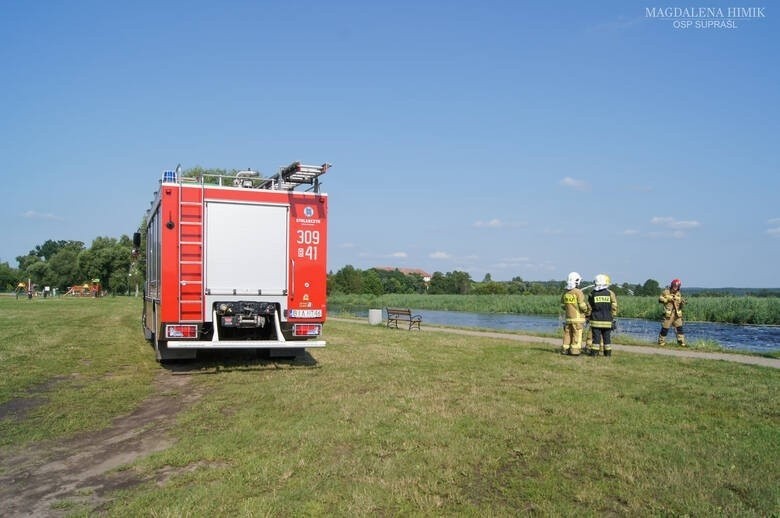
760 339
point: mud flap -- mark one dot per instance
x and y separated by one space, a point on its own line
163 353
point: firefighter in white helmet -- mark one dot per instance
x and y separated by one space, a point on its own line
603 309
673 302
575 309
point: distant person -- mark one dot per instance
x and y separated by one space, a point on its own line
673 302
603 309
575 309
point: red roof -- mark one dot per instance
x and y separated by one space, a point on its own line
405 271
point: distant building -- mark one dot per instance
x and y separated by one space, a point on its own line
407 271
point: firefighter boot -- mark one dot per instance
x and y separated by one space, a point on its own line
661 340
681 340
607 352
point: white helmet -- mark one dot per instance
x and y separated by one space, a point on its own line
601 281
573 281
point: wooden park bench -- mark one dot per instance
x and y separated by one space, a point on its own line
396 315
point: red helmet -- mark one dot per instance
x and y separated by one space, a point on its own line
676 283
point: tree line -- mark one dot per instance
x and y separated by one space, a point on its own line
377 281
65 263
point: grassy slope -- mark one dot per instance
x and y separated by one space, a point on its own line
393 422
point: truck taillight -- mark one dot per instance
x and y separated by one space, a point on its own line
307 329
181 331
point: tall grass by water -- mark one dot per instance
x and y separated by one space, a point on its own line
390 422
732 310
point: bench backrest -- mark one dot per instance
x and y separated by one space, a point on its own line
400 312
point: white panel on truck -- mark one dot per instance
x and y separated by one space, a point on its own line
246 248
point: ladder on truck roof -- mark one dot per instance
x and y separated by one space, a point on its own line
295 174
191 253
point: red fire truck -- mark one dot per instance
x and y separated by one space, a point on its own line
236 262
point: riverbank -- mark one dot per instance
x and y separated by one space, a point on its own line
745 310
637 349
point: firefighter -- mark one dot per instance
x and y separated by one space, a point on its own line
673 302
603 309
576 309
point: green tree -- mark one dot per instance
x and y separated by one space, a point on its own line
9 277
450 283
64 267
440 284
108 259
347 280
372 284
50 248
650 288
41 274
490 288
25 261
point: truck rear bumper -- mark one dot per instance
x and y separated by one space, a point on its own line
244 344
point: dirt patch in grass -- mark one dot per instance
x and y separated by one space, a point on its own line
19 407
53 479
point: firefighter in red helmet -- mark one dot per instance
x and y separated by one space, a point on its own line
673 302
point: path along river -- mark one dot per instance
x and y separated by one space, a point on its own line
756 339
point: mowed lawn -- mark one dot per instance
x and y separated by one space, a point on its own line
391 422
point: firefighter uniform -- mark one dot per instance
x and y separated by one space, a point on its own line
575 310
673 303
603 309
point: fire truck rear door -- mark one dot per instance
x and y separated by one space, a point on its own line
246 248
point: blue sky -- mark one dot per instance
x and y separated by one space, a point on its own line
505 137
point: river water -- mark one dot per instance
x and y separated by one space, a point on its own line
756 339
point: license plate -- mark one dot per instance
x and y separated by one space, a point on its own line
306 313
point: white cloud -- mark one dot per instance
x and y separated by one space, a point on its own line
578 185
630 232
440 255
399 255
497 223
45 216
675 224
493 223
774 227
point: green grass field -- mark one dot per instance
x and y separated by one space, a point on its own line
389 422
